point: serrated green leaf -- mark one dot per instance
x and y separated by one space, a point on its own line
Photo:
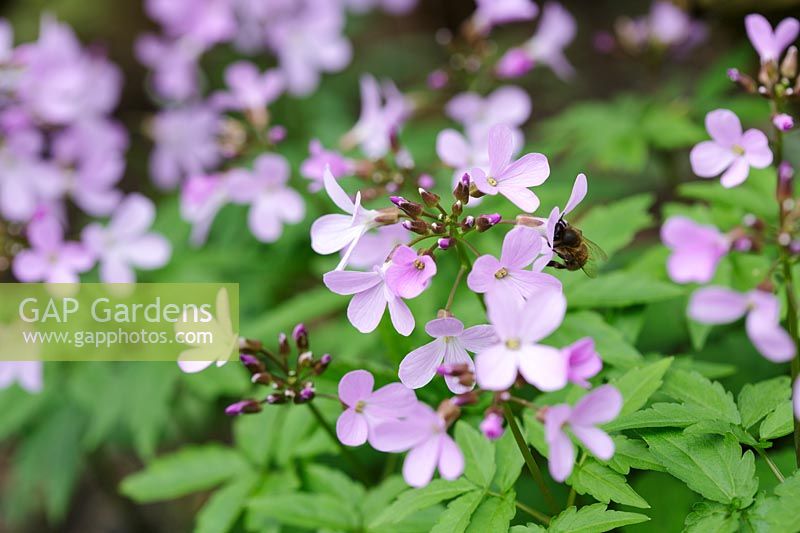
778 423
257 436
604 485
632 453
595 518
710 465
694 389
638 384
509 462
758 400
379 497
609 342
710 516
325 480
191 469
669 127
479 465
661 415
458 514
527 528
493 514
741 197
300 509
413 500
777 513
618 289
220 512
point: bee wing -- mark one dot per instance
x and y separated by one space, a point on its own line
597 257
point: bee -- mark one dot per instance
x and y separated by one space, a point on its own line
576 251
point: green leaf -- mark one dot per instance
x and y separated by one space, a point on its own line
493 514
479 465
527 528
609 342
413 500
18 407
632 453
379 497
257 436
191 469
223 508
777 513
758 400
618 289
509 462
709 516
326 480
594 518
604 485
669 127
602 225
779 423
694 389
458 514
638 384
660 415
710 465
149 387
741 197
300 509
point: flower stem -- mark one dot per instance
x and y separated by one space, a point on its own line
771 464
348 454
538 515
529 459
456 283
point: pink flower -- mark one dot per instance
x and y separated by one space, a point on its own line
249 89
730 151
515 63
796 398
511 179
395 7
490 13
720 305
50 259
583 361
519 329
371 298
173 64
383 111
202 196
313 168
125 242
409 273
272 202
598 407
27 373
367 408
783 122
331 233
424 433
696 249
579 190
374 247
507 105
770 44
492 426
451 344
507 278
556 30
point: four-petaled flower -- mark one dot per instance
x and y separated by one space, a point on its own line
720 305
696 249
424 433
730 151
507 278
409 273
518 330
598 407
450 347
50 259
583 361
768 43
367 408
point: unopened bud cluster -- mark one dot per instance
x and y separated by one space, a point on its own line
289 377
775 79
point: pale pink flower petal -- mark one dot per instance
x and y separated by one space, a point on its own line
736 174
418 367
717 305
451 460
543 367
355 386
420 463
352 428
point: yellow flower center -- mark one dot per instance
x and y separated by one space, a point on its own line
360 406
491 181
738 149
500 274
512 344
419 264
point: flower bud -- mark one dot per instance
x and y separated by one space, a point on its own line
461 191
306 394
412 209
457 208
485 222
425 181
742 244
468 398
262 378
300 336
743 80
783 122
492 426
322 365
417 226
438 227
438 79
445 243
252 363
785 181
243 407
468 223
276 134
249 345
305 359
430 199
387 216
283 344
276 398
768 75
789 64
449 410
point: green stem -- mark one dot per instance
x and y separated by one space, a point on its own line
529 459
452 294
771 464
348 454
538 515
